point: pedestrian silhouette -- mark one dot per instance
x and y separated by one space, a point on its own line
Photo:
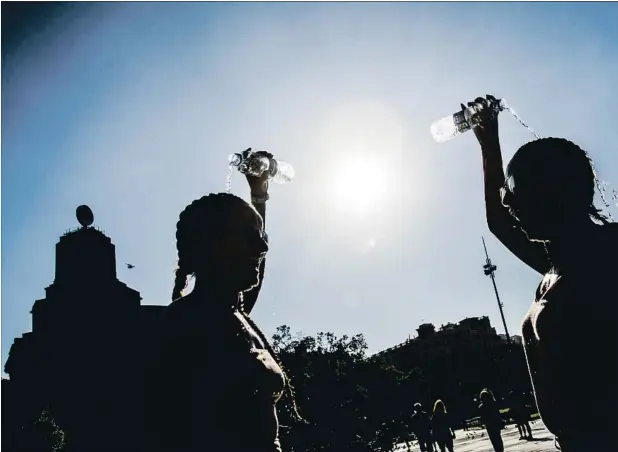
491 418
421 426
441 427
520 415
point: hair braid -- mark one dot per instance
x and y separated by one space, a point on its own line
180 282
193 225
184 269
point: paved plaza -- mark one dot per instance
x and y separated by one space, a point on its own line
477 440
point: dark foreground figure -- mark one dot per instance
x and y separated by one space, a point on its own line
543 212
421 426
215 382
441 427
491 418
520 414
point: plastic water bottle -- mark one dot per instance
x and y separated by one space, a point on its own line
449 127
256 165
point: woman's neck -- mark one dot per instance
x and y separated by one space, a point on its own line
572 244
222 295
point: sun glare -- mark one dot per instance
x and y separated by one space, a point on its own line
360 186
363 140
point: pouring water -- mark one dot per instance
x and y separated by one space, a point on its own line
516 116
451 126
228 183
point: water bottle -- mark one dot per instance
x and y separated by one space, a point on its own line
256 165
450 126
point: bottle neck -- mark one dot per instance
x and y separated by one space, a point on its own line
235 159
272 167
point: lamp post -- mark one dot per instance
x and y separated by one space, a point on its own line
490 269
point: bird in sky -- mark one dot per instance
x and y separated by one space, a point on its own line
129 266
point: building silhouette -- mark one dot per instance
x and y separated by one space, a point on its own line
475 332
83 360
516 339
456 361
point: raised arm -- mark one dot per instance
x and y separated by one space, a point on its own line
250 296
499 220
259 197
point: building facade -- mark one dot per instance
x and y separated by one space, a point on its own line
84 359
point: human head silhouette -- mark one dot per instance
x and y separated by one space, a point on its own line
487 396
439 407
219 237
550 186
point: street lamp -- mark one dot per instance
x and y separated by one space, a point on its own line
489 269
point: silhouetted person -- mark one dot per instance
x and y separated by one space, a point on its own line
220 378
492 419
401 424
543 212
421 426
441 427
520 415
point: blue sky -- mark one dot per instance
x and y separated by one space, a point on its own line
132 108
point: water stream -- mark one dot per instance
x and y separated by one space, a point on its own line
601 185
516 116
228 182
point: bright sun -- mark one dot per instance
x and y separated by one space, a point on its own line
360 185
363 140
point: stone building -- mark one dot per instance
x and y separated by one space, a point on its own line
84 358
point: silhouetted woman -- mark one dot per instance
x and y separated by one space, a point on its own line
441 427
492 419
221 378
520 415
543 212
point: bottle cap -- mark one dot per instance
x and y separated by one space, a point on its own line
235 159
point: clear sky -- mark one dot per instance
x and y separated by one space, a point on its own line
133 108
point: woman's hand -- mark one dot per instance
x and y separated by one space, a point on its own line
258 185
487 129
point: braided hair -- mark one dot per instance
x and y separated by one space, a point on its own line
196 222
557 158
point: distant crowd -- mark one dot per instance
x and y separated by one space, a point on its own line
437 431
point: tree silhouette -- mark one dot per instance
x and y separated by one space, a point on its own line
40 435
347 398
356 402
